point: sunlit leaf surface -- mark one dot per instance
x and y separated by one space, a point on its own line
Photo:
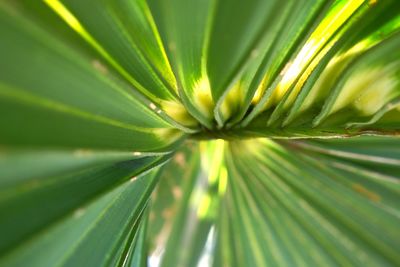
199 133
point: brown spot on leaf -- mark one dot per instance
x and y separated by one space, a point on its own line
365 192
180 159
99 66
177 192
167 213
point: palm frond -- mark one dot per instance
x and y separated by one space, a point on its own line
108 108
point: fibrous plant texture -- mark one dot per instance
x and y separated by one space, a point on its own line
180 133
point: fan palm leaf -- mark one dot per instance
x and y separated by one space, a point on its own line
199 133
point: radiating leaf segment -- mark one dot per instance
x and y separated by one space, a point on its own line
128 133
338 19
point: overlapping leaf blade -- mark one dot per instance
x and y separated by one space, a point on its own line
184 28
73 131
326 207
304 88
107 221
301 202
95 93
186 207
75 96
